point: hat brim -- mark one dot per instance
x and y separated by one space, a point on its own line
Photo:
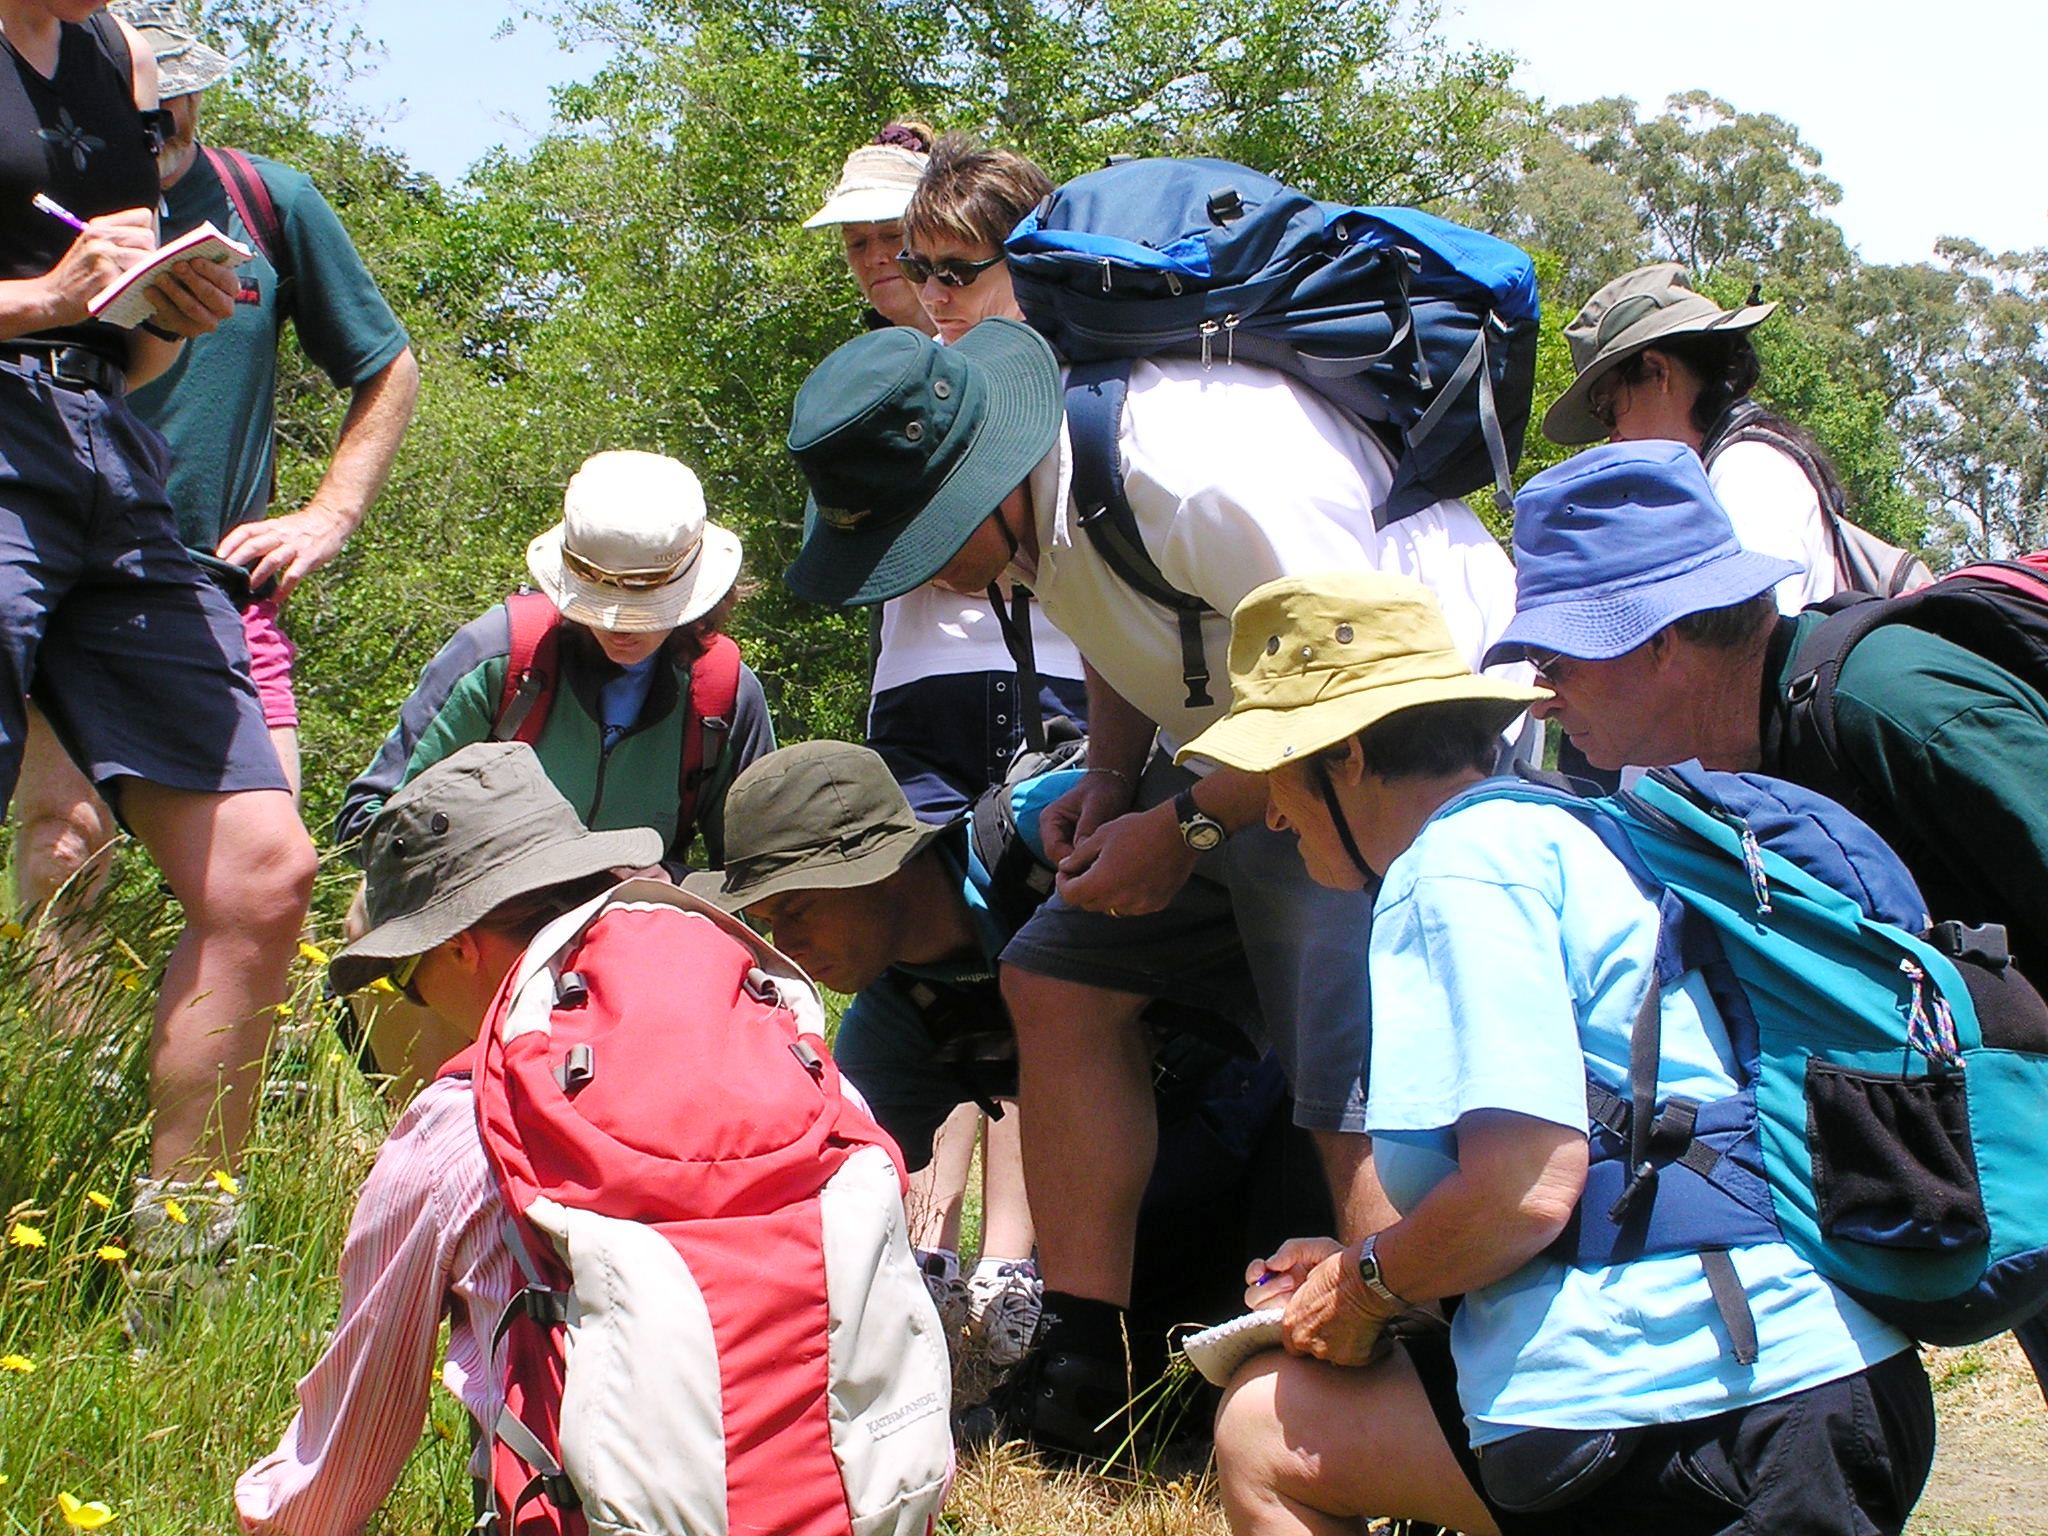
1570 420
1022 409
862 205
624 612
1600 625
192 68
452 910
1266 737
871 866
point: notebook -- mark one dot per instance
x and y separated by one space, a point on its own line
125 301
1218 1352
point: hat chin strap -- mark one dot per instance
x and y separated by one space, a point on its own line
1343 827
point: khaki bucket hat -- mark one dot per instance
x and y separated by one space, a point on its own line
1624 317
821 815
478 828
635 550
1314 659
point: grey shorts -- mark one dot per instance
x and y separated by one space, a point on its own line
1249 935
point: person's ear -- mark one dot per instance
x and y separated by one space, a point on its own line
1654 371
465 951
1349 769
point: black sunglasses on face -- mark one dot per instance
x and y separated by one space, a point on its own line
952 271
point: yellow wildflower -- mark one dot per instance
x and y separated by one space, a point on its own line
224 1181
130 981
20 1364
10 931
104 1202
176 1212
22 1235
113 1253
284 1010
312 952
82 1516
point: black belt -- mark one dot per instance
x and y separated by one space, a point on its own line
71 366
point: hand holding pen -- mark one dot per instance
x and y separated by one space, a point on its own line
191 300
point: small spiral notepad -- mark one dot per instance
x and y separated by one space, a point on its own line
1218 1352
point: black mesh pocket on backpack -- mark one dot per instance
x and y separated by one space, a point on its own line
1892 1160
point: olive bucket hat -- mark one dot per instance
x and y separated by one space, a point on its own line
908 445
478 828
821 815
1316 659
1629 315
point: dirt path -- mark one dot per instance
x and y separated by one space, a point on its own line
1990 1473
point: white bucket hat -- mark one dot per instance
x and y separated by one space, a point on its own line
874 187
634 550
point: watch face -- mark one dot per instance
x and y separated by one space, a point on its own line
1202 835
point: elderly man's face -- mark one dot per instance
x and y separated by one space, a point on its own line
180 147
1622 712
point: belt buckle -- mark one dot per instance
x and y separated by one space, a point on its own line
83 367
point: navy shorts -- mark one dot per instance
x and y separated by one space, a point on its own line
1250 936
136 658
1846 1458
947 738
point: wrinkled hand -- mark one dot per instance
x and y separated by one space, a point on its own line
1128 867
193 297
1097 798
1332 1316
108 246
1269 1282
289 548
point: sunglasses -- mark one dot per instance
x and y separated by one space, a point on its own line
951 271
401 980
629 581
1548 664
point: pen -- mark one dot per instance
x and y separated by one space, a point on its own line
57 211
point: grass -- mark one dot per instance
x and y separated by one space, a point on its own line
160 1435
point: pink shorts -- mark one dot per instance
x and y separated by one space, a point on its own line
270 664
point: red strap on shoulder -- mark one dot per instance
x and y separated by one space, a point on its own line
714 694
245 189
529 687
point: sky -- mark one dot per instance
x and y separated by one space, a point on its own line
1928 116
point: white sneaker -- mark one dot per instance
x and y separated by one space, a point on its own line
949 1292
1006 1298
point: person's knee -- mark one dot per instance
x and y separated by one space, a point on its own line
266 894
1049 1007
1250 1450
56 843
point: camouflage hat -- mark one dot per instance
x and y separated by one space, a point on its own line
821 815
1629 315
183 63
1316 659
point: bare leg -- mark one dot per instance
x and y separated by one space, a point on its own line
64 833
1355 1193
1089 1129
939 1189
242 866
286 739
1005 1209
1308 1449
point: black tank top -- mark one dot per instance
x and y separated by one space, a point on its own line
78 138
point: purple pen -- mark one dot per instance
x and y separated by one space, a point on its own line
57 211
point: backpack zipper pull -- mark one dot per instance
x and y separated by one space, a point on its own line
1105 274
1208 330
1931 1027
1229 340
1753 862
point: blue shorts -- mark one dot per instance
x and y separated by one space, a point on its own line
1250 934
137 659
948 738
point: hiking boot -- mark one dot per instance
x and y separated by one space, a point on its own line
1059 1401
941 1272
1006 1298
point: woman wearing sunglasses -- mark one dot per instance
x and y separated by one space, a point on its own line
969 199
641 581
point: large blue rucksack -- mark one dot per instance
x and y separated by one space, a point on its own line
1421 330
1893 1083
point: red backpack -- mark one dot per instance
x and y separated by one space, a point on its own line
723 1329
531 672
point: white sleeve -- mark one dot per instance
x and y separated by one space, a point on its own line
1776 512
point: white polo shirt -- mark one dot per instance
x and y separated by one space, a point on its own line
1238 476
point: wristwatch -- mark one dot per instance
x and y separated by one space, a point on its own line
1369 1272
1198 829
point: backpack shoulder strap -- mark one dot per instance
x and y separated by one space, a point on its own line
530 668
113 43
714 695
1809 742
1095 412
253 205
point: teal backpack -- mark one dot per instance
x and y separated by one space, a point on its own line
1892 1113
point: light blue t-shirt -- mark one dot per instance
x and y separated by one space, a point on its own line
1509 951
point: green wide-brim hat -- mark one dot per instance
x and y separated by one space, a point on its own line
908 445
1316 659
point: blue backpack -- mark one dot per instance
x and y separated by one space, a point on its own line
1423 331
1894 1083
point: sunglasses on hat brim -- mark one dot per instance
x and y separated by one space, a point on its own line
628 581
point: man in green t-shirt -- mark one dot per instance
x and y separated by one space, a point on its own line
216 408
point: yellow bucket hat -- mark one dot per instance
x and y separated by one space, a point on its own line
1314 659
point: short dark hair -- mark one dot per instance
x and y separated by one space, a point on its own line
526 914
972 193
1730 628
1429 741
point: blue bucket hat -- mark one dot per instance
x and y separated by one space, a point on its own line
1616 543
